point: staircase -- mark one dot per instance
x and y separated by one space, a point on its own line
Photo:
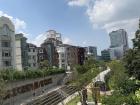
54 97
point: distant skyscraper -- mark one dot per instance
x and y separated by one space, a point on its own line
119 38
91 51
105 54
119 43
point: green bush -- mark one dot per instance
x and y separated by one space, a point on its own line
10 74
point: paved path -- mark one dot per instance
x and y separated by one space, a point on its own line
101 76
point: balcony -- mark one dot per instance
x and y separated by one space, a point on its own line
6 58
5 37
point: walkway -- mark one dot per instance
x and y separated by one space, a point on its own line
101 76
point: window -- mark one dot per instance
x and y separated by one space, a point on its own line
5 29
63 60
6 54
7 63
33 50
62 55
34 64
5 44
41 51
41 57
63 65
29 57
34 57
29 65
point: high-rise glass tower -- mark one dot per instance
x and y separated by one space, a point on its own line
119 38
119 43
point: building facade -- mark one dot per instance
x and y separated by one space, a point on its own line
32 56
116 52
72 56
41 56
62 53
7 43
69 56
91 51
52 55
81 55
105 54
50 45
21 52
53 37
119 38
119 43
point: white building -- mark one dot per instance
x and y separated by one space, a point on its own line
62 52
53 37
32 56
7 43
21 52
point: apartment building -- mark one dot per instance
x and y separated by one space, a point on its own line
32 56
7 43
21 52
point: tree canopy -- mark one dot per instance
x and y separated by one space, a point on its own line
132 57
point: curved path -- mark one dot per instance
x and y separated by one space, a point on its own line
101 76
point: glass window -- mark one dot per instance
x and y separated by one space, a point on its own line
7 63
33 50
6 53
5 44
63 60
29 57
62 55
34 64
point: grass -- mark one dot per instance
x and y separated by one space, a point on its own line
74 101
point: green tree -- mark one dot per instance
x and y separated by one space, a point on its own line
119 99
117 76
3 91
44 64
132 57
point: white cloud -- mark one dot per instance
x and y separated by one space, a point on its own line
114 14
20 25
77 2
39 39
67 40
113 10
129 25
25 34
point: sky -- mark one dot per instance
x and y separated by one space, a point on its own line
81 22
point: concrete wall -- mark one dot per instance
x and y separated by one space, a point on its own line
18 55
29 95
